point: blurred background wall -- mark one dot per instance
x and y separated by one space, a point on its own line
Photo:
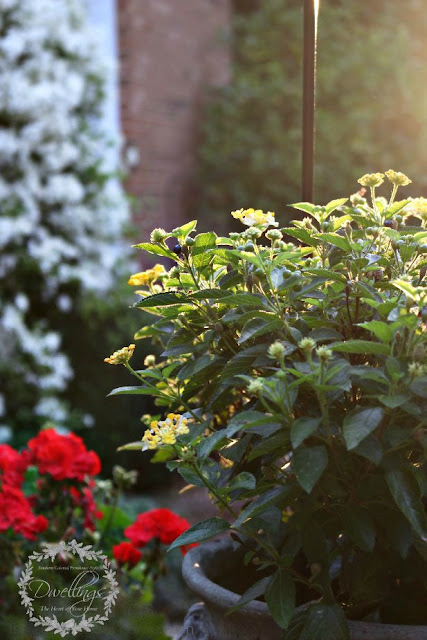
170 52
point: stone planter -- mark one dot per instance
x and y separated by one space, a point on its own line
204 564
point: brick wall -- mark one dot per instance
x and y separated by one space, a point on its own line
169 51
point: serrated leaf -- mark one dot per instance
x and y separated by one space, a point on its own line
370 449
309 464
258 327
381 330
304 206
201 531
359 423
336 240
200 253
280 597
360 527
209 294
242 362
334 204
155 249
162 300
301 234
302 428
405 491
360 346
243 480
245 300
262 503
325 621
419 386
255 591
131 446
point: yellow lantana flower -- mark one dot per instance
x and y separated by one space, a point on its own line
165 431
255 218
121 356
147 277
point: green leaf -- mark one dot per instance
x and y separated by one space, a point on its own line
329 274
304 206
162 300
243 480
360 527
336 240
394 401
245 300
242 361
396 207
209 294
200 250
258 327
308 464
280 597
334 204
419 386
265 501
254 591
201 531
301 234
380 329
360 346
405 491
370 449
157 250
325 622
359 423
125 391
211 442
185 229
131 446
302 428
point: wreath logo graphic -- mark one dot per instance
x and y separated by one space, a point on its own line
71 626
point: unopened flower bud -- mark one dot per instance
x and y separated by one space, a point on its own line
324 354
158 235
307 344
397 178
276 351
371 179
150 360
256 387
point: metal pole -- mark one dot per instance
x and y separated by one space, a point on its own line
311 9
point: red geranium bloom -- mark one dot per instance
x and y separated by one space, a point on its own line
15 513
126 553
63 456
12 465
159 524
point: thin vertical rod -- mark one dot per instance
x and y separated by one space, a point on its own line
311 9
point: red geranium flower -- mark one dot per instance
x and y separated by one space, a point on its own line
63 456
15 513
159 524
12 465
126 553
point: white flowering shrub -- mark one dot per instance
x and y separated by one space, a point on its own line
61 211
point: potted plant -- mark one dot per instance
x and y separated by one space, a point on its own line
292 383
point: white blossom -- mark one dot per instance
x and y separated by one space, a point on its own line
55 220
